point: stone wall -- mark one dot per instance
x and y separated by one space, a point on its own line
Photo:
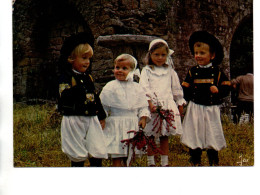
40 26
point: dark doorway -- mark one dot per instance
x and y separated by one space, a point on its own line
58 20
241 52
241 49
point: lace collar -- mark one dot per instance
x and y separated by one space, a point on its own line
158 70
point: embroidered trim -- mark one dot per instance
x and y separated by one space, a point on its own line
204 81
63 86
228 83
91 78
185 84
218 77
73 82
190 73
89 98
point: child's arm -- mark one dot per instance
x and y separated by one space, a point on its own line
224 85
177 90
144 116
101 113
70 96
187 86
144 82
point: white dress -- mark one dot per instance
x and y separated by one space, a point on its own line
82 137
125 103
162 86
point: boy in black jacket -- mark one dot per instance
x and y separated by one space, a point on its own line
204 87
83 115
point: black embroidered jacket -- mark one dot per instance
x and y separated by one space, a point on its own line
78 96
196 86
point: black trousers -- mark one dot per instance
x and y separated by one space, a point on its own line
195 155
94 162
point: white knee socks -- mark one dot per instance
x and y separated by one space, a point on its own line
164 160
150 160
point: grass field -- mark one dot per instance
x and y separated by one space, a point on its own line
36 140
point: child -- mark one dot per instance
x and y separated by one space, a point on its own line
245 87
204 87
81 133
162 87
126 104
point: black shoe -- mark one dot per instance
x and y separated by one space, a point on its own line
95 162
77 164
213 157
195 156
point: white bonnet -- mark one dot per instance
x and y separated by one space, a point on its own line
162 41
169 60
135 71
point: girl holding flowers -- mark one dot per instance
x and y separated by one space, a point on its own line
165 98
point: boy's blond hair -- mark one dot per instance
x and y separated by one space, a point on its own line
80 50
124 57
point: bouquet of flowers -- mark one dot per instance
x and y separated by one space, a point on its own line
162 115
140 142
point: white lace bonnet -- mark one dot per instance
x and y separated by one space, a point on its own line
169 60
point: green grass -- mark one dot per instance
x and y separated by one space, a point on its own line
37 142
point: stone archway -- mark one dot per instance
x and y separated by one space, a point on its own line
56 20
241 48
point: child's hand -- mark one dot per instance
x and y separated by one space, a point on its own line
103 124
142 122
152 107
180 110
214 89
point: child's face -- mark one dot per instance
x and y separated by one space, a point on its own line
202 53
122 68
81 62
159 56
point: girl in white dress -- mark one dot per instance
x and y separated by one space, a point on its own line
125 102
163 90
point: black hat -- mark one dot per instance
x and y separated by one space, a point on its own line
70 44
212 41
74 40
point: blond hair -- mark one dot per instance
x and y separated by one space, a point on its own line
125 57
80 50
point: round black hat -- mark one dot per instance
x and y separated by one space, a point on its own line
74 40
211 40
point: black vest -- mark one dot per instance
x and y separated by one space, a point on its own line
78 96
